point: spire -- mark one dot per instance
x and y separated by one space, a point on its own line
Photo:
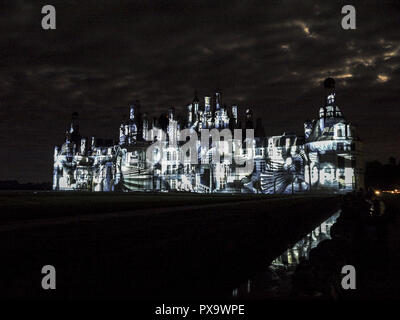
171 113
134 110
259 131
330 108
75 122
195 99
207 104
74 129
195 104
249 119
329 85
217 99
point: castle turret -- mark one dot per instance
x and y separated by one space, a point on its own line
217 100
308 125
75 122
122 135
195 103
249 119
83 146
259 132
218 121
207 112
92 143
75 136
171 113
132 127
189 115
145 122
329 108
235 115
329 85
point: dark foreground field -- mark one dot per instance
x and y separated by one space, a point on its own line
146 246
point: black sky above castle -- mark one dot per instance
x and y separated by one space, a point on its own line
270 55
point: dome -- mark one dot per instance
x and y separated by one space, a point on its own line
329 83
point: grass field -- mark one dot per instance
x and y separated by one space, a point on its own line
33 205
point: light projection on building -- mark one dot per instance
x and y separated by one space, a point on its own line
326 158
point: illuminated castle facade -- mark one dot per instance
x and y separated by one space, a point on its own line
326 158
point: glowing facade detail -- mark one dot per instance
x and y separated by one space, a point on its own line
326 158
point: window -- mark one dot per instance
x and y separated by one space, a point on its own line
342 184
340 146
340 133
340 162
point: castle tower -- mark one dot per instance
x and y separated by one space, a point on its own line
330 92
73 134
195 104
83 148
207 121
259 132
75 122
132 128
235 115
217 111
193 111
207 104
217 100
145 127
308 126
171 113
334 157
329 108
122 134
249 119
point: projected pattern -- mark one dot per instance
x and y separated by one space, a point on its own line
326 158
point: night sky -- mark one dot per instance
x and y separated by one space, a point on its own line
269 55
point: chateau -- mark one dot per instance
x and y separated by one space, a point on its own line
155 155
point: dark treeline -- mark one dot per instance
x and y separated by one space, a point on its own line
383 176
15 185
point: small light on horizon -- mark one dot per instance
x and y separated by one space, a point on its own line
382 78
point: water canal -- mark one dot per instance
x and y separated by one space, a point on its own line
275 281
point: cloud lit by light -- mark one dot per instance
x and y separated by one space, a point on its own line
344 76
305 28
382 78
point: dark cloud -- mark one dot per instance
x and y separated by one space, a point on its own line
271 55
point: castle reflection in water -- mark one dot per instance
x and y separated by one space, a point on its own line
275 280
301 250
